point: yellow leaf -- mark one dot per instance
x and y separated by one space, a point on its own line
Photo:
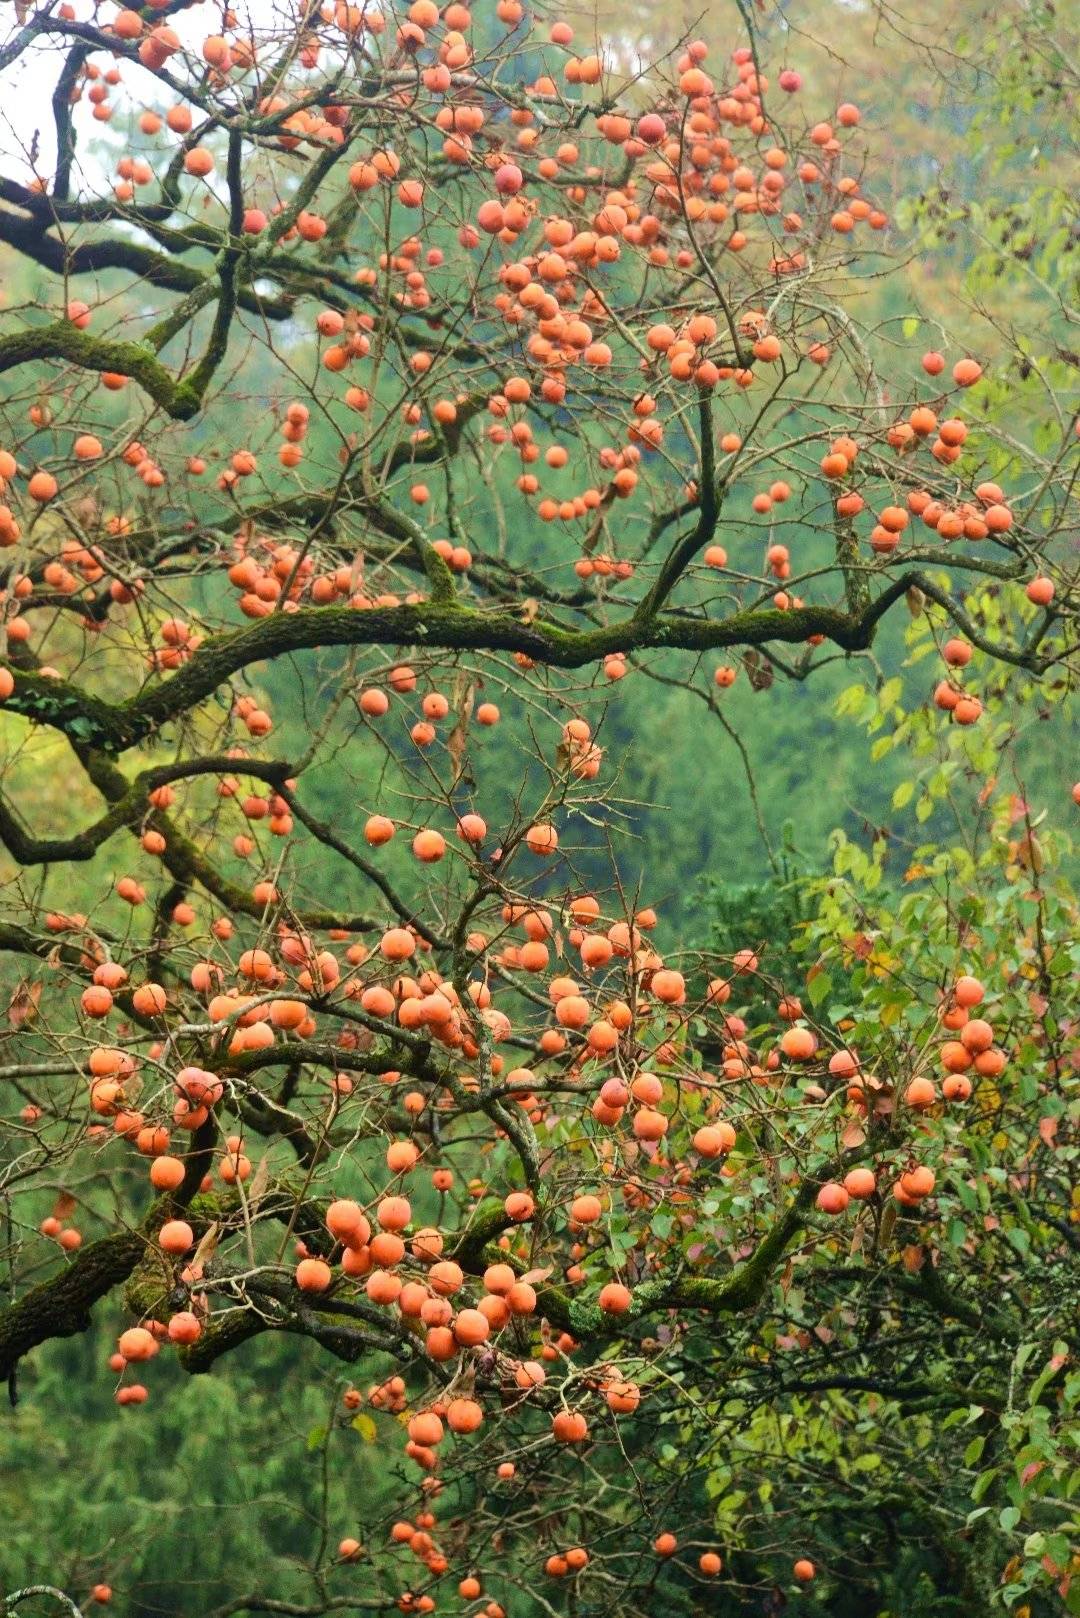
364 1425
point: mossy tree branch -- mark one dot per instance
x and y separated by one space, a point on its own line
62 340
455 627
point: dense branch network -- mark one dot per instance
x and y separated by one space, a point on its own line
421 360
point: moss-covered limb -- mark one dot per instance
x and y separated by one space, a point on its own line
62 101
18 940
64 341
180 315
149 1288
313 1053
30 1592
931 1286
227 267
152 1291
710 494
79 714
348 1329
181 398
744 1287
188 865
185 861
459 628
126 811
397 525
488 1221
455 627
29 236
60 1307
854 570
731 1294
426 624
219 1336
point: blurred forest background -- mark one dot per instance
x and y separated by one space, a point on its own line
967 109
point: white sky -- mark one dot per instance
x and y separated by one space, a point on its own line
26 87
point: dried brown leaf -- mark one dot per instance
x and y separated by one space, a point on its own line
259 1182
206 1248
23 1005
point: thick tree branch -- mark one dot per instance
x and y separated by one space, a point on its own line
455 627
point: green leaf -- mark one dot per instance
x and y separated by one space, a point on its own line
819 987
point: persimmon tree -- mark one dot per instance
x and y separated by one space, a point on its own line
421 361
